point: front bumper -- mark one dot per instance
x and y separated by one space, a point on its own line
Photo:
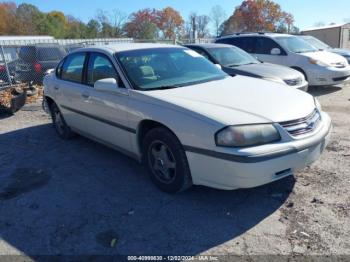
323 76
304 86
227 172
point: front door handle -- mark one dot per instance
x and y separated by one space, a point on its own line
56 87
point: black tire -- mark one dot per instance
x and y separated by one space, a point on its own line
177 177
62 129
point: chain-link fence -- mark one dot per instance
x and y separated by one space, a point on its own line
27 60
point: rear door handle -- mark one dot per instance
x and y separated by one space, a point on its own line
85 95
56 87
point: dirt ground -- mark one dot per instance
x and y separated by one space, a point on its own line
80 198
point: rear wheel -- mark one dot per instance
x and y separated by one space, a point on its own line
166 161
62 129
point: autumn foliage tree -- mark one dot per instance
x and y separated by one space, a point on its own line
148 23
258 15
8 21
170 22
143 24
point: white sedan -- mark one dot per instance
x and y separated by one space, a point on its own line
189 122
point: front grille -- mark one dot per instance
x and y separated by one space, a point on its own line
303 125
294 82
339 65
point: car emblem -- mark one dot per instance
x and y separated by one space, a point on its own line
311 123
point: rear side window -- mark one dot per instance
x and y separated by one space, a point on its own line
59 69
50 53
73 67
224 41
100 67
245 43
265 45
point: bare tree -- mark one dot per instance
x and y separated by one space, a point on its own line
218 16
202 25
197 26
118 20
112 22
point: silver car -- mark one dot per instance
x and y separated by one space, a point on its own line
324 47
235 61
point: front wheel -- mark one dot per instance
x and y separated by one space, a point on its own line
166 161
62 129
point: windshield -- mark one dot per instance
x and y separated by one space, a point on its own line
231 56
163 68
295 44
316 43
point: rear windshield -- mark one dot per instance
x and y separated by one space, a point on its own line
50 53
27 53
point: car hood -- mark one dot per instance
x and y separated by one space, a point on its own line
326 57
240 100
339 51
267 70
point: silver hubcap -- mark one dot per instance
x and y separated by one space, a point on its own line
162 162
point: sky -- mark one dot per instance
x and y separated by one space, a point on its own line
306 12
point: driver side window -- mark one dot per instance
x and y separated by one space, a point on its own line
100 67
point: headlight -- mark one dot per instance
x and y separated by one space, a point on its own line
247 135
317 104
347 58
318 62
277 80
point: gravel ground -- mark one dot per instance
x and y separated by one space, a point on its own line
80 198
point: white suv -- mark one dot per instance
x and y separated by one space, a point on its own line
189 122
320 68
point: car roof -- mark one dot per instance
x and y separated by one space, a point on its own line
41 45
272 35
307 36
207 45
115 48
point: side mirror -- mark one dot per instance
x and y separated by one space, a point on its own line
275 51
106 85
257 58
218 66
49 71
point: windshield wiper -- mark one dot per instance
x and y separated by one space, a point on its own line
164 87
306 51
234 65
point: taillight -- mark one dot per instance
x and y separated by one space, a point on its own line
2 68
38 68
